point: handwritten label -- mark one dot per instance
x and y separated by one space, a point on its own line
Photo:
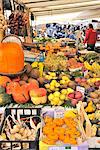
81 89
85 73
59 148
59 113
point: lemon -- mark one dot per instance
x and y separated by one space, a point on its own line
60 103
53 74
57 85
54 77
54 82
65 78
69 90
62 96
56 94
64 91
62 81
67 81
47 76
56 89
50 97
52 88
47 86
49 90
55 101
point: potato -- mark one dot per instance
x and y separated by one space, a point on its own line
1 26
28 132
12 137
25 133
33 131
21 131
15 129
93 95
18 136
33 136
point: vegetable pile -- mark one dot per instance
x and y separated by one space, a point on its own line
21 129
63 130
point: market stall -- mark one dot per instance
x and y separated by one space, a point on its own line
49 91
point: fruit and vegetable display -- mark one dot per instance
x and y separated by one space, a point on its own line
61 126
54 62
62 129
54 46
17 23
62 80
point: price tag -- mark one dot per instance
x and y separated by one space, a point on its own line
59 113
59 148
81 89
85 73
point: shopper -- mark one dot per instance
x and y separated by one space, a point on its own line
72 35
90 37
78 34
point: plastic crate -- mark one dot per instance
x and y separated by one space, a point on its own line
24 113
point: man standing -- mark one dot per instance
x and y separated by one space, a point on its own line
90 38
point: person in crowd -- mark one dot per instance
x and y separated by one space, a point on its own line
72 35
90 37
78 34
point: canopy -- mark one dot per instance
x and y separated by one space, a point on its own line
51 7
48 11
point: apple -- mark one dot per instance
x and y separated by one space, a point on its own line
78 80
43 99
42 91
34 93
32 86
97 83
78 94
74 102
83 80
36 100
38 92
71 95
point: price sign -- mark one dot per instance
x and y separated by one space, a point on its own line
85 73
60 148
81 89
59 113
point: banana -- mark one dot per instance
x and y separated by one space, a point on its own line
88 66
96 68
34 64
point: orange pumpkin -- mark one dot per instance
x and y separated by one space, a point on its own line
48 141
11 58
20 94
4 80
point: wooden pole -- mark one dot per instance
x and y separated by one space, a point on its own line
1 13
1 6
29 39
